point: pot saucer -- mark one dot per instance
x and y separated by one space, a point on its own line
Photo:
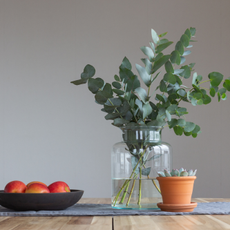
177 207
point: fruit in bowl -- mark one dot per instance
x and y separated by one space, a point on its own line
15 186
37 188
32 182
59 186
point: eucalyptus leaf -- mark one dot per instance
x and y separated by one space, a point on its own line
182 60
168 115
79 82
148 65
188 33
172 123
144 75
147 110
95 84
169 77
181 122
206 100
148 52
185 40
169 67
187 72
215 78
146 171
126 64
88 72
120 122
101 97
178 130
175 58
160 62
189 127
163 87
179 47
116 78
187 52
141 93
154 36
226 84
112 116
116 85
193 31
118 91
163 46
212 92
113 102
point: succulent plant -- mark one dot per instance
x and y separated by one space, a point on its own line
177 172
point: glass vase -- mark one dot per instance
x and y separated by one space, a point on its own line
134 165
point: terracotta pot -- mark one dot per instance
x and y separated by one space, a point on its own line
176 192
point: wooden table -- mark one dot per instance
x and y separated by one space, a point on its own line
187 222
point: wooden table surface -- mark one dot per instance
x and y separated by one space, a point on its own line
187 222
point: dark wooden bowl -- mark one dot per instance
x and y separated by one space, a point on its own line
39 201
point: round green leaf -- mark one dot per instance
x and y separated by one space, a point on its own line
189 127
116 85
126 64
116 78
144 75
88 72
179 47
148 52
163 87
181 122
215 78
169 77
207 99
169 67
212 92
175 58
178 130
95 84
185 40
188 33
227 84
154 36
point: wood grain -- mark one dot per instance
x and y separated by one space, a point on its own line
187 222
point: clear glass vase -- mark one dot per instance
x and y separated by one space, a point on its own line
134 164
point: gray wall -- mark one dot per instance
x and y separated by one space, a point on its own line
52 130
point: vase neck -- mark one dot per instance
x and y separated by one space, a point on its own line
145 134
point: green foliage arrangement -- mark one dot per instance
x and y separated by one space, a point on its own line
126 103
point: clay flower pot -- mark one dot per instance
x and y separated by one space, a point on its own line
176 193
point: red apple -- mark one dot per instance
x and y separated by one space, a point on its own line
37 188
59 186
15 187
32 182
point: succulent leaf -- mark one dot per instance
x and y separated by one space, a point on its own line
181 170
161 174
167 173
175 172
184 173
194 173
190 172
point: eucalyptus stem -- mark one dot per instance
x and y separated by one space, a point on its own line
125 192
131 191
123 186
128 180
140 182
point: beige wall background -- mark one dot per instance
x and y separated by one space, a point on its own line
52 130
